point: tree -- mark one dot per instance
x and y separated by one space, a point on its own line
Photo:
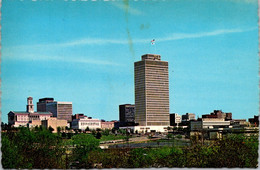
106 132
126 138
179 136
98 136
83 144
87 129
122 131
169 136
93 132
139 158
113 130
63 129
32 149
5 126
11 158
63 135
2 125
51 129
67 128
48 150
58 130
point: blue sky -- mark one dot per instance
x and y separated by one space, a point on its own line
84 52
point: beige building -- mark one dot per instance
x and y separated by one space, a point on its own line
152 92
34 123
54 123
107 125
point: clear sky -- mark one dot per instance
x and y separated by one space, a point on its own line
84 52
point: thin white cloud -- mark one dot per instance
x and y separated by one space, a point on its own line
8 53
85 60
92 41
131 10
179 36
170 37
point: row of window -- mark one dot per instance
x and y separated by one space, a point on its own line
89 124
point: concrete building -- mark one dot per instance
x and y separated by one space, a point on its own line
54 123
152 93
210 128
34 123
84 122
61 110
78 116
41 104
107 125
22 118
127 114
209 123
213 128
239 123
175 119
188 117
218 114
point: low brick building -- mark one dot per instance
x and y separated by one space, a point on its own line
107 125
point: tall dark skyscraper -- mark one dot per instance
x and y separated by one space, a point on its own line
127 114
152 91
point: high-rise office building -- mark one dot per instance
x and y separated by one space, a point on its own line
188 117
151 91
127 114
61 110
41 104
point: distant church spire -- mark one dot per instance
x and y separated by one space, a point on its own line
30 107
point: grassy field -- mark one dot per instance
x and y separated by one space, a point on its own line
111 137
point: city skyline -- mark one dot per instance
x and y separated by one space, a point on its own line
84 53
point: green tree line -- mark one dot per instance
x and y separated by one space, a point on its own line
39 148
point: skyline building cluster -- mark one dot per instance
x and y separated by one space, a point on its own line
149 113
